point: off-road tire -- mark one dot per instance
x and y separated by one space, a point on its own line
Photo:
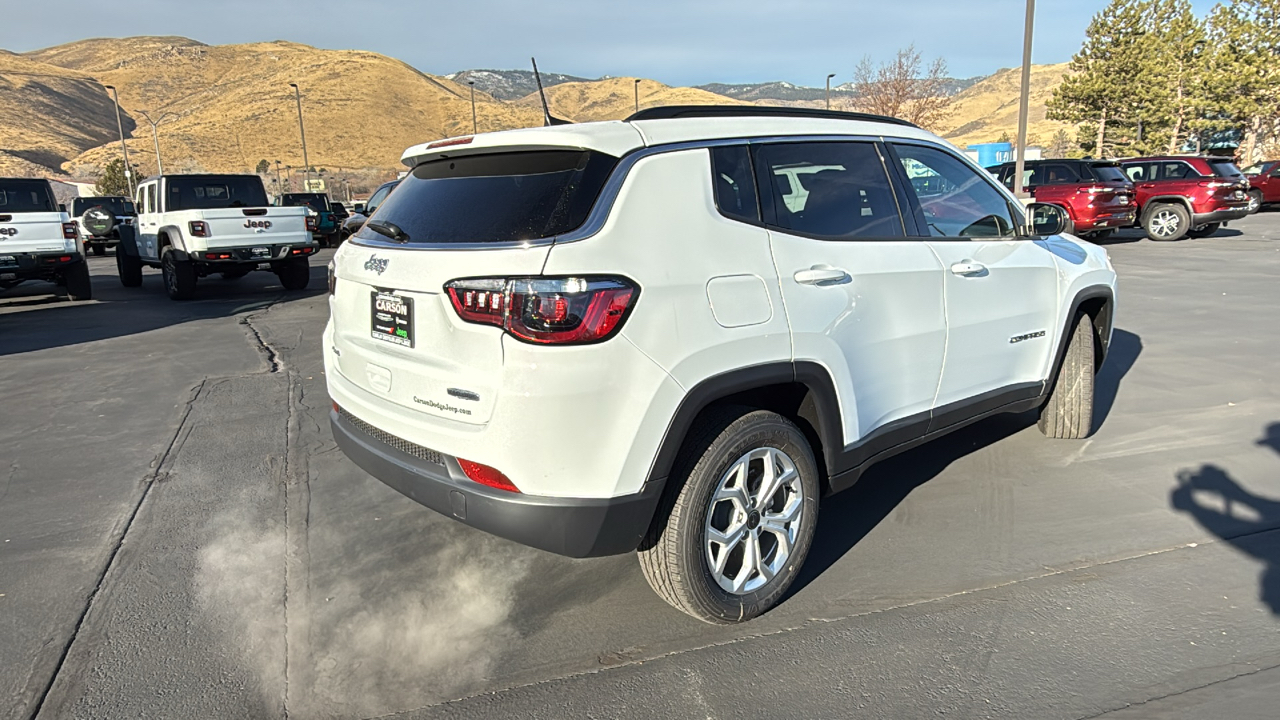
1068 413
1204 231
1255 201
294 274
672 555
98 249
179 276
129 268
1167 212
77 282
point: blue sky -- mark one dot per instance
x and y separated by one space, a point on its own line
679 42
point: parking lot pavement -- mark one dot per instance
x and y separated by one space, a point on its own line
992 573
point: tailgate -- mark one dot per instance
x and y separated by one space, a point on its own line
30 232
243 227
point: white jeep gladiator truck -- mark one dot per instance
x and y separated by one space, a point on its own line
193 226
38 240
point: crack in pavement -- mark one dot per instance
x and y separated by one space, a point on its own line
1166 696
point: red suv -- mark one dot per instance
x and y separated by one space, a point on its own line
1264 184
1182 195
1095 193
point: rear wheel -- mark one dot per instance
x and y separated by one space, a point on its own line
737 521
1204 231
1068 413
99 250
129 267
1098 234
1167 222
76 279
1255 201
294 274
179 276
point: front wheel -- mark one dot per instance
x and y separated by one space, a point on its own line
1204 231
733 530
1068 413
1167 222
1255 201
129 267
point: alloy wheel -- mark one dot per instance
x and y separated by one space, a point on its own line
753 520
1166 223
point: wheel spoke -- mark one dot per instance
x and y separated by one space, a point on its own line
773 480
736 494
750 561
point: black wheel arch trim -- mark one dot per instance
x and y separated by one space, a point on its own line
1158 200
128 241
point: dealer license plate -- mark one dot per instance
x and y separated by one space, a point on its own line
391 318
260 252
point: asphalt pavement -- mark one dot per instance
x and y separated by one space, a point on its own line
179 537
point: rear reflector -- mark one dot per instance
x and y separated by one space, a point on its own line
487 476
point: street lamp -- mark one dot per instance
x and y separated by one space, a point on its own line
128 173
829 90
1020 164
637 88
155 137
302 130
472 83
279 182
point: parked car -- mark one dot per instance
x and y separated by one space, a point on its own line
1187 195
326 231
613 336
38 241
99 219
363 210
1264 184
1095 194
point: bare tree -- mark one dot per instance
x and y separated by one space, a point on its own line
904 88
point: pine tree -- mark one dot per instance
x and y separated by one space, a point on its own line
1179 74
1242 83
263 168
1060 145
112 181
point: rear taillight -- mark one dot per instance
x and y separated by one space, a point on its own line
198 228
486 475
546 311
69 230
333 279
312 223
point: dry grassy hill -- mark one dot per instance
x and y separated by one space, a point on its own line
51 114
614 98
234 106
985 111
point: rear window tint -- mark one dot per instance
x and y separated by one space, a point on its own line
735 184
1108 173
18 196
1225 168
114 205
211 192
316 201
499 197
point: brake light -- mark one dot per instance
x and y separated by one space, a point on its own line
312 223
486 475
69 230
546 311
198 228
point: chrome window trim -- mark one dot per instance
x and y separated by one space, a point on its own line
603 207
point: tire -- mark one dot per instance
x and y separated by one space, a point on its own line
98 249
294 274
1167 222
179 276
129 267
1255 201
1204 231
724 453
78 284
1068 413
334 239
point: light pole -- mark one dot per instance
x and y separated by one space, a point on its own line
472 83
637 88
829 90
1020 164
155 136
128 173
302 130
279 182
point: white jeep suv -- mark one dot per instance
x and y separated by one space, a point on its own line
602 337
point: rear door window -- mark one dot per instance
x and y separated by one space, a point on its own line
1058 174
1176 170
734 182
496 197
953 199
830 190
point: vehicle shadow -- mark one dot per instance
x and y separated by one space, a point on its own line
846 518
1237 516
32 318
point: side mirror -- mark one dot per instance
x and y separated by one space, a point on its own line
1046 220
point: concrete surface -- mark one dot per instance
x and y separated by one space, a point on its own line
182 539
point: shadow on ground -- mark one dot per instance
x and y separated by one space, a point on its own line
1228 510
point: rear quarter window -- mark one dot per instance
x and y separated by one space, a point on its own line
1225 168
495 197
1108 173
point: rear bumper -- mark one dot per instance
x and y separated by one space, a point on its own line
1107 220
1220 216
241 255
576 527
28 266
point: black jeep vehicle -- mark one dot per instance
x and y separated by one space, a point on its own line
99 219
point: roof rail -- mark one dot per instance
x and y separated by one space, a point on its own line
669 112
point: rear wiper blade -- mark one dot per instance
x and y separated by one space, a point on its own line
389 229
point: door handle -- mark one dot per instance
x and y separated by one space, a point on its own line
968 268
821 275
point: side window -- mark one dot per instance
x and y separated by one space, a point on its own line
1058 174
831 190
734 183
955 200
152 205
375 200
1136 173
1177 171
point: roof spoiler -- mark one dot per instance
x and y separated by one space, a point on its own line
671 112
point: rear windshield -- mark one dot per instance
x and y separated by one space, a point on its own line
502 197
1225 168
315 201
210 192
23 196
1108 172
113 205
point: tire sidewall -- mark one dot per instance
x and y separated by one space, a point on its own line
770 431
